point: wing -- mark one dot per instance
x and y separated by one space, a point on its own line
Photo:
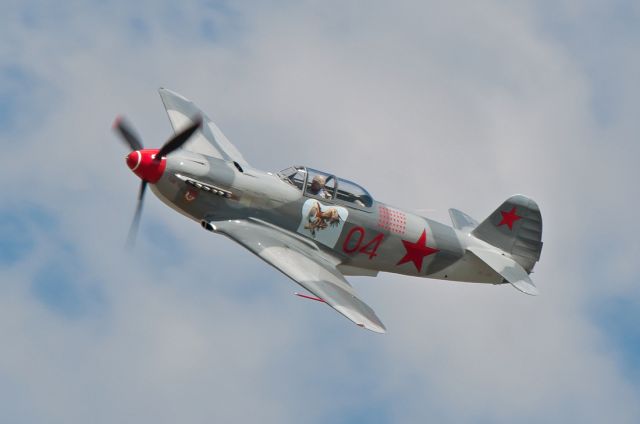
304 263
210 140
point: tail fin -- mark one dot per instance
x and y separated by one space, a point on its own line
516 228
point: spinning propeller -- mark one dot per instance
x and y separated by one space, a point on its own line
149 164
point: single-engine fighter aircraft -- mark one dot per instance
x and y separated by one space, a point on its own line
316 227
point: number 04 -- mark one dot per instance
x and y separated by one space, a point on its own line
353 242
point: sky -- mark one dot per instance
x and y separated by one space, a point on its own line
429 105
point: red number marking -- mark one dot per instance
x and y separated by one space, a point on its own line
375 243
347 240
368 249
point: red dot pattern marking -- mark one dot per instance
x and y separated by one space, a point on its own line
392 220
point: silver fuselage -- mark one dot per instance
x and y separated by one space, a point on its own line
371 239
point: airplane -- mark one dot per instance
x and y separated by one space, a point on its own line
316 227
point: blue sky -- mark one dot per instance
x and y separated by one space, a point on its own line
427 105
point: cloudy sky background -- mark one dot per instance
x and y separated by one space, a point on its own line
428 105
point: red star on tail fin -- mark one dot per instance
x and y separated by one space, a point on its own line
509 218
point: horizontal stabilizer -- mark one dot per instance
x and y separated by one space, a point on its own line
509 269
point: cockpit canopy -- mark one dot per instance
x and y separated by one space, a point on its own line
320 184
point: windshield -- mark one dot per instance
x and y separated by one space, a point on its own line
294 175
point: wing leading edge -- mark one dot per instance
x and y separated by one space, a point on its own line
304 263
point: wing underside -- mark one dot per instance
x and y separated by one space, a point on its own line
305 264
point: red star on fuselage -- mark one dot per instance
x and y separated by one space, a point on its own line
509 218
417 251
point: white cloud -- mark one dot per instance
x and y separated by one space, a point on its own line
429 106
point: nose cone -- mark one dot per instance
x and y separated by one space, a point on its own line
145 166
133 159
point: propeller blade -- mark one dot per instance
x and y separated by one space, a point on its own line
133 230
127 134
132 140
179 139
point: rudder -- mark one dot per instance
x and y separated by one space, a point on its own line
516 228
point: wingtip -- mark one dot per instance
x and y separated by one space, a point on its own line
526 287
380 329
171 95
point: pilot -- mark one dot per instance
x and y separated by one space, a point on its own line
317 187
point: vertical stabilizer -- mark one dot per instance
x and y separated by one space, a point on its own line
516 228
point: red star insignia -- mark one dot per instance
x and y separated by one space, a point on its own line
509 218
417 251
